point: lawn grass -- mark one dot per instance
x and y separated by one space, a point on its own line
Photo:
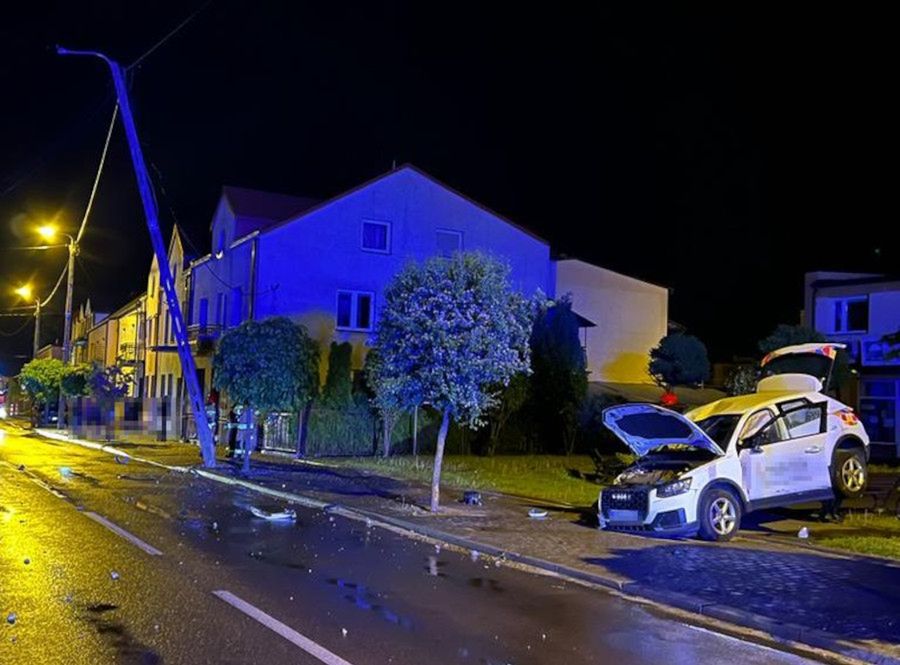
867 533
549 477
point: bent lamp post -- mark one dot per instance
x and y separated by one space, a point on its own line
188 367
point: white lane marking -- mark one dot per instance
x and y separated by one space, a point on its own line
288 633
37 480
130 537
763 647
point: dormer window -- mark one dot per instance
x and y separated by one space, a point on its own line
220 244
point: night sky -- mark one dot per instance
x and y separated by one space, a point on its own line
716 152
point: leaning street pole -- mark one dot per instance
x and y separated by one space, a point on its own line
188 367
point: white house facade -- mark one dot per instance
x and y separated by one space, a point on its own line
859 309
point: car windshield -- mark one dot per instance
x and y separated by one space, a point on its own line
719 428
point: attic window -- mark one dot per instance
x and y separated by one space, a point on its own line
220 244
449 242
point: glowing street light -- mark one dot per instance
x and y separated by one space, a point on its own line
47 231
25 293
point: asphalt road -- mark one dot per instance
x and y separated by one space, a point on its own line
104 562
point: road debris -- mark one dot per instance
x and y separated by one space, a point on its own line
537 513
11 618
275 515
803 533
113 575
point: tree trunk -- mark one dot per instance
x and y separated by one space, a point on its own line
303 429
416 432
249 440
386 436
438 461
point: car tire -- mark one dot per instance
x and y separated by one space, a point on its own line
849 474
719 515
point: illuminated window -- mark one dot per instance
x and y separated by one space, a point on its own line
376 236
449 242
851 314
355 310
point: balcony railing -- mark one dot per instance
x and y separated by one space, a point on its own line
198 332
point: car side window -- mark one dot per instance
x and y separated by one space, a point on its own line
763 428
805 421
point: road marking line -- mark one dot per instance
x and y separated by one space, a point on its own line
115 528
288 633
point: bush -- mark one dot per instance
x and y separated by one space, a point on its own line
337 393
351 430
741 380
679 360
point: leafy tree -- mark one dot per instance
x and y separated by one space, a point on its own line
450 332
264 366
108 383
511 398
338 380
387 396
741 380
41 380
559 379
75 381
679 360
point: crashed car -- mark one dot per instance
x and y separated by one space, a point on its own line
699 473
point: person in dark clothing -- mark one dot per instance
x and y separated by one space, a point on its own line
232 432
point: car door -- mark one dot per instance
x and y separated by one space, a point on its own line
758 456
806 425
788 454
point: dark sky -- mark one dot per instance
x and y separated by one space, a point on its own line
721 152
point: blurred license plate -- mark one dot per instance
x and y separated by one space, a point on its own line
623 515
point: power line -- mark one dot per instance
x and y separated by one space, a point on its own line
3 333
87 210
169 35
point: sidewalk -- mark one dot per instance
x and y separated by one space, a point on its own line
842 603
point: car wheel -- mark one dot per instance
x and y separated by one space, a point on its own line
848 473
719 515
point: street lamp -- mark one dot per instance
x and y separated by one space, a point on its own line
49 232
25 293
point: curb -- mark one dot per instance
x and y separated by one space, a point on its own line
781 632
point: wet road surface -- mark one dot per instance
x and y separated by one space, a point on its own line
104 562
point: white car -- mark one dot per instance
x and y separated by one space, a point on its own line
700 472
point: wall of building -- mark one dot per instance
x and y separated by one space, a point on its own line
303 264
631 317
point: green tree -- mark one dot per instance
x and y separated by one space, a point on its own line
387 396
41 380
511 398
264 366
741 380
450 332
559 374
75 381
337 393
679 360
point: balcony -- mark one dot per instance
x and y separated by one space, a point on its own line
203 338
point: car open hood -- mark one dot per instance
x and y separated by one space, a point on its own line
643 427
815 359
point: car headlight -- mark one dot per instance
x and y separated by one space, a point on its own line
671 489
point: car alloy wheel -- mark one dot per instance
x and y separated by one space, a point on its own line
722 516
853 475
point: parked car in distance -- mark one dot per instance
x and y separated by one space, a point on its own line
702 471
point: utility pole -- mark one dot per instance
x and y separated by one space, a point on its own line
188 367
36 344
67 327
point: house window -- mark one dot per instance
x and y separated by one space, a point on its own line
376 236
354 310
237 306
203 313
449 242
851 315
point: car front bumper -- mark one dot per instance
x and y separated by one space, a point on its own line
638 510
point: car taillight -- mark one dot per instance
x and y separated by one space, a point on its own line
848 417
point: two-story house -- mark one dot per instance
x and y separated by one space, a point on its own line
859 309
326 264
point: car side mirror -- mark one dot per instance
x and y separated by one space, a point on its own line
752 442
